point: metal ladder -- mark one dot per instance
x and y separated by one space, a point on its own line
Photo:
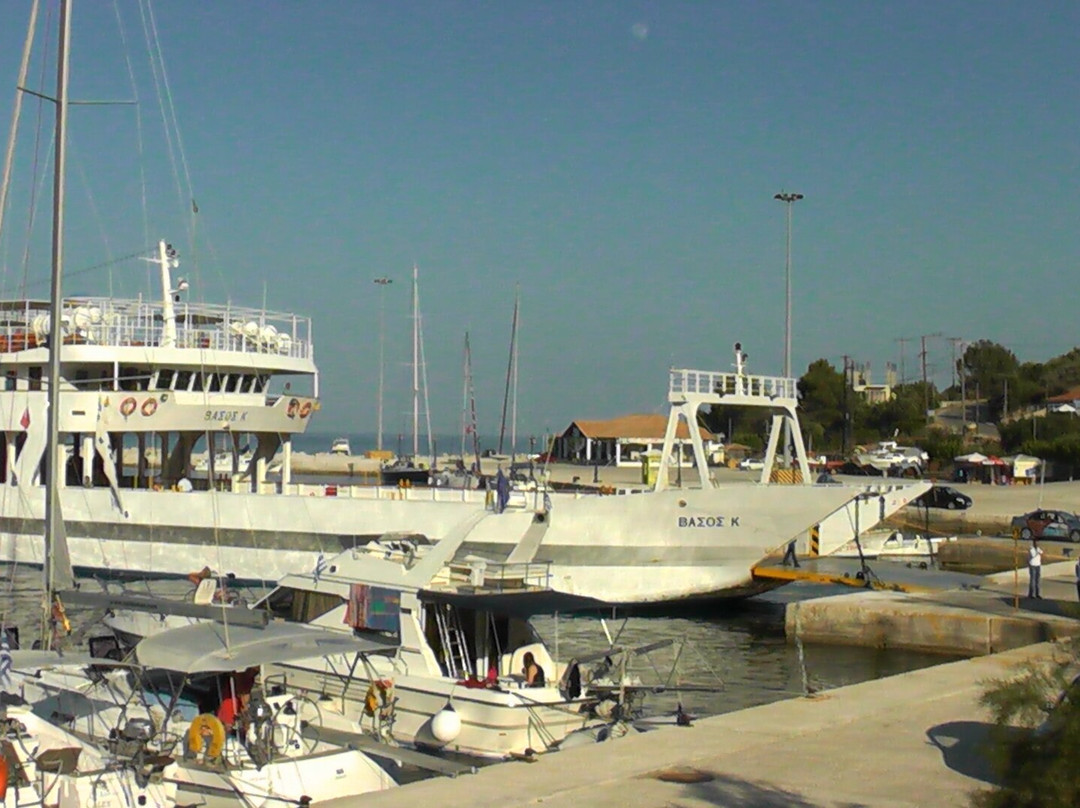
452 637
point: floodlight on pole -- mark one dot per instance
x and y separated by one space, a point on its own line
789 199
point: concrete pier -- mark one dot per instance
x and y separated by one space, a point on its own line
996 617
906 741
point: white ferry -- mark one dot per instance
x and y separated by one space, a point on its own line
162 378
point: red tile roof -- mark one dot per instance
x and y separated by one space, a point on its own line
1068 397
635 426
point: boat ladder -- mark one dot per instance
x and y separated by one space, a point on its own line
452 637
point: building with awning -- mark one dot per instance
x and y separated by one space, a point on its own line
623 440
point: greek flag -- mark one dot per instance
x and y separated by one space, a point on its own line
320 567
5 663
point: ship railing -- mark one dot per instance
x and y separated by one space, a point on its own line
483 576
113 322
683 382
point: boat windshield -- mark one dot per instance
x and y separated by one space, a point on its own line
299 605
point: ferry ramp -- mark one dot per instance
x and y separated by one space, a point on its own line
879 575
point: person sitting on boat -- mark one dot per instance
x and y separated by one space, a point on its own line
534 674
237 693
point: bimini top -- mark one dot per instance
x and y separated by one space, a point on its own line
202 647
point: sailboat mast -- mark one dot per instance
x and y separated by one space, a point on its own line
468 409
510 372
54 467
415 363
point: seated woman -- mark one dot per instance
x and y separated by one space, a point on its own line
534 674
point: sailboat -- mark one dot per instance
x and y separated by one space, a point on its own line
411 471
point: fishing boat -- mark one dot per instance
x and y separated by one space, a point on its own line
162 376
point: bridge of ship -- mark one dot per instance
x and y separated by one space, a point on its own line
690 390
112 322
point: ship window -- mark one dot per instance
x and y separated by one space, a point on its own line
213 382
165 379
300 606
183 380
81 377
197 382
264 380
129 379
10 380
35 378
236 381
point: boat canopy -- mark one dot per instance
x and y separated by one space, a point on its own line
216 648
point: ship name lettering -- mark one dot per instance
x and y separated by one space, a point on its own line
709 521
225 415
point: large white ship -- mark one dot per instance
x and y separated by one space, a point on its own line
169 378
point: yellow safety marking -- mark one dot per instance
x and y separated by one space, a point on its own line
789 575
815 540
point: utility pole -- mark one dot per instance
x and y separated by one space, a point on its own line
903 369
963 392
925 382
847 411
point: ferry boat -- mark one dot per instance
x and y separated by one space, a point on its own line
170 375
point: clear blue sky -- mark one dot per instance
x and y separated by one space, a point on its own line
618 160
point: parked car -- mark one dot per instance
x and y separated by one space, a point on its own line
751 464
942 496
1044 524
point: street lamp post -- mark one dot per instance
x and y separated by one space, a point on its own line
789 199
382 283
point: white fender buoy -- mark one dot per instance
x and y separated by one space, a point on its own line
446 724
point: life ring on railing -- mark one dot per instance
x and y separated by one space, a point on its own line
149 407
294 405
206 735
305 409
127 406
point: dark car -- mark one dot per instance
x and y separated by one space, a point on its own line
941 496
1046 524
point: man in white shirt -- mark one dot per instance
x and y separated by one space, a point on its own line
1034 569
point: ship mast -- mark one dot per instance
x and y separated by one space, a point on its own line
415 363
56 569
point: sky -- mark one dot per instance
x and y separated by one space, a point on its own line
613 163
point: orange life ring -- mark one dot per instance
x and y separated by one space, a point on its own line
149 407
305 409
127 406
294 405
206 735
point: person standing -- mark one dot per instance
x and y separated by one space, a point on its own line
789 555
1035 570
1078 580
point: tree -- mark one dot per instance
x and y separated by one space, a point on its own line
822 400
1036 744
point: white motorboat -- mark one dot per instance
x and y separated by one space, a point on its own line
340 446
449 644
894 544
